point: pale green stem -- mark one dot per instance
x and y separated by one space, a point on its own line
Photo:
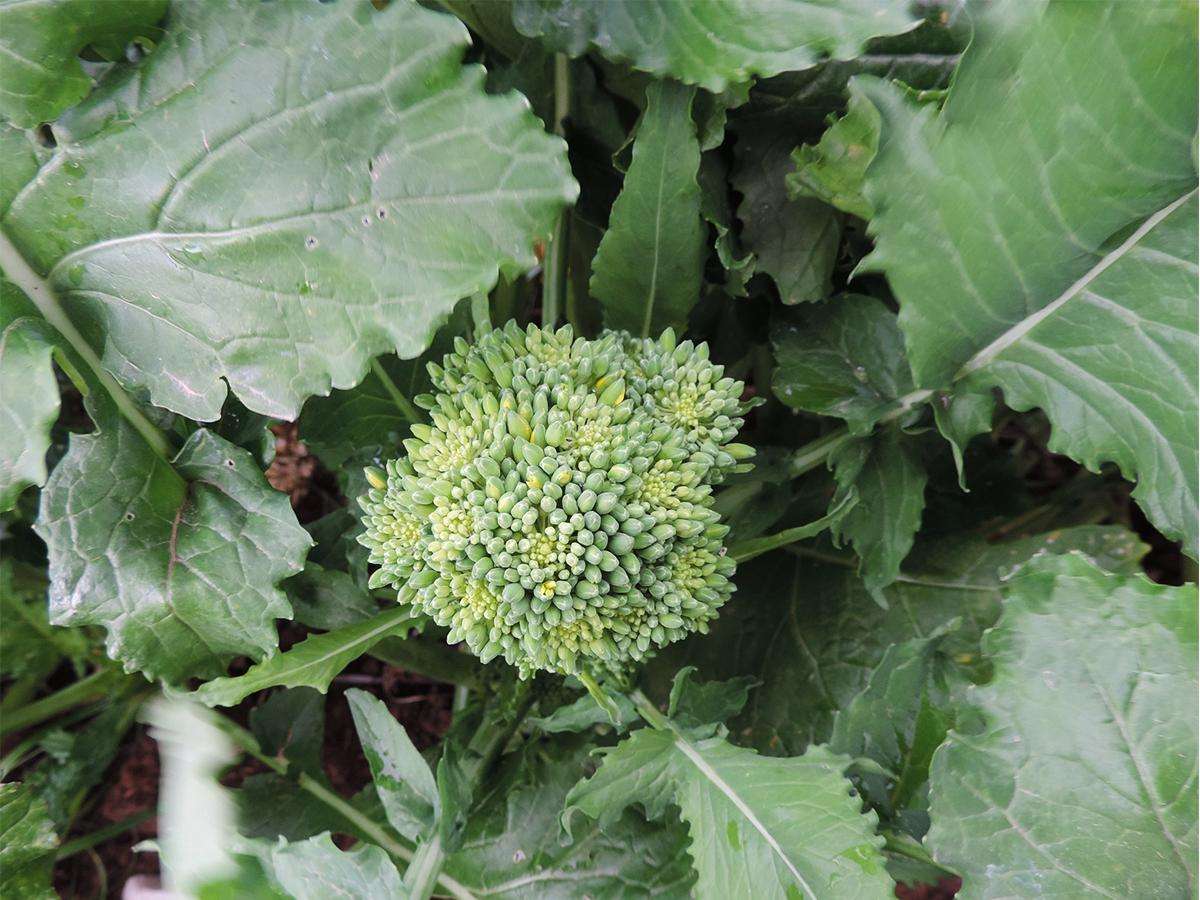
481 315
20 273
94 687
554 273
405 405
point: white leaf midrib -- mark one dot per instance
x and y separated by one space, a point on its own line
705 768
1025 326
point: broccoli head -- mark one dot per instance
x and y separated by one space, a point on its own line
557 509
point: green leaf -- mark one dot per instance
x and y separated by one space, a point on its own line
834 169
178 562
793 241
402 777
40 41
585 713
328 599
308 218
1005 225
709 43
30 647
314 662
805 626
761 827
960 414
291 723
887 474
316 869
512 847
1081 779
27 844
844 358
897 721
647 270
30 393
695 704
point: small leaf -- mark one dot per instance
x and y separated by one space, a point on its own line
179 562
833 170
1081 776
707 43
314 662
647 270
843 358
886 474
291 723
513 848
30 393
793 241
40 45
586 713
27 844
693 704
402 778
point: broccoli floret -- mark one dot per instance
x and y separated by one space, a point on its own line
557 510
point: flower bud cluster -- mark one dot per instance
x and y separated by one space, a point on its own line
557 509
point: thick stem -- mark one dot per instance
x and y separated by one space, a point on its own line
554 273
817 452
422 873
100 835
649 711
94 687
405 405
20 273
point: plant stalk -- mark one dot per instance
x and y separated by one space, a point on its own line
90 689
100 835
648 711
554 272
20 273
481 315
407 409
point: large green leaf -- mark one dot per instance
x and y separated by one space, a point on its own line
279 192
30 395
179 562
314 662
402 778
647 271
40 41
761 827
1082 778
27 844
1004 227
707 42
807 628
513 846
